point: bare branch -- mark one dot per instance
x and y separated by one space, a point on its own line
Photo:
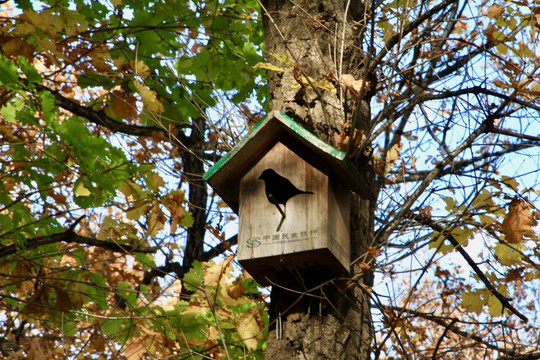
444 232
443 321
458 167
409 28
383 235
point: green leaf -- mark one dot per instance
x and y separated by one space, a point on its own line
193 280
145 260
98 292
29 70
8 74
126 291
114 325
187 221
10 111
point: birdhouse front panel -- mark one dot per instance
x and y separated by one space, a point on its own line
293 218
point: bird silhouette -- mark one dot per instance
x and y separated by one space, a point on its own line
279 189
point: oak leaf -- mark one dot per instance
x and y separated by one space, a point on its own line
354 86
249 327
519 222
495 11
125 104
149 97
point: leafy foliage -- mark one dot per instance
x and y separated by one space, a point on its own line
97 108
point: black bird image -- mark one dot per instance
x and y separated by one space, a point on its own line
279 189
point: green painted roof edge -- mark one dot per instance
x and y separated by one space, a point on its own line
314 140
235 149
291 124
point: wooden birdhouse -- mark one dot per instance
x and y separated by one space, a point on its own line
292 194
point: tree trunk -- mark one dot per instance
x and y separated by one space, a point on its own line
331 321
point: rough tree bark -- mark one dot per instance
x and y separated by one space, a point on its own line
331 321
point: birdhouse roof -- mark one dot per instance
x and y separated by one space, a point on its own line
225 175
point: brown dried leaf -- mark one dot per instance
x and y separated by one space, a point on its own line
124 104
495 11
354 86
341 140
519 222
17 46
535 88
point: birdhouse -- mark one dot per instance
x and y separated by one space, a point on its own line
292 194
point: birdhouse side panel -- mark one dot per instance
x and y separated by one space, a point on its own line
339 204
283 206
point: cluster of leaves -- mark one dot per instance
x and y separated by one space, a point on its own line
97 108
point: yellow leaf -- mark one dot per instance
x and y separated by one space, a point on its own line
472 301
354 86
24 28
325 85
137 348
78 291
269 66
451 204
535 88
507 255
510 182
18 46
440 243
482 199
149 98
462 235
141 69
392 156
284 58
495 306
156 220
45 21
81 190
248 328
217 272
137 210
156 181
132 190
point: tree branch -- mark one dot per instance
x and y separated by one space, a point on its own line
383 235
442 321
70 237
459 166
100 118
407 29
220 249
503 299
